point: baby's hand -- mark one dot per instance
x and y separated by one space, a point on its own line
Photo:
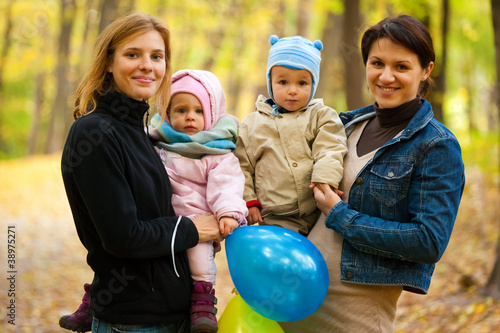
337 191
227 225
254 215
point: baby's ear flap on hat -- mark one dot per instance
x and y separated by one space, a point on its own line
317 44
273 39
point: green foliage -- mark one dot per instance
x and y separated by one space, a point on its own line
230 38
15 120
482 150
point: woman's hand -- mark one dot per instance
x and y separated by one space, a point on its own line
227 225
325 196
208 228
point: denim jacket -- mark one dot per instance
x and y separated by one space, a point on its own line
402 205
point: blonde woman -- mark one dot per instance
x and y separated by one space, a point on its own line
119 192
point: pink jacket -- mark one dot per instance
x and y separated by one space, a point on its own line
213 183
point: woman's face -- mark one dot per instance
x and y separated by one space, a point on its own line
394 73
139 65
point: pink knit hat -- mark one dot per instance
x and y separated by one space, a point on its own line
190 85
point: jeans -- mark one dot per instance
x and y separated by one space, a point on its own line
99 326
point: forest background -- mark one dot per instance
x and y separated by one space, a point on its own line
46 46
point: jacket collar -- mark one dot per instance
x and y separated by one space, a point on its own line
420 119
262 105
123 107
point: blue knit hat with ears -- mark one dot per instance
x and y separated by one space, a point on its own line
297 53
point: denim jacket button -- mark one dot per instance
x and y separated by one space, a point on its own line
390 174
359 181
348 275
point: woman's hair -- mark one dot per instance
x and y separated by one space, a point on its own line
98 81
406 31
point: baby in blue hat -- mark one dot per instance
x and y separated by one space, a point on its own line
291 141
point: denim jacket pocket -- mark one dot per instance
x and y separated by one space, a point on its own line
390 181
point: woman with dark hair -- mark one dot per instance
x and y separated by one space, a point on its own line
403 181
119 192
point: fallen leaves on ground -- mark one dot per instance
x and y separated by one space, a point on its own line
51 266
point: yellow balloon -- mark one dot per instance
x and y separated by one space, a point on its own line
238 317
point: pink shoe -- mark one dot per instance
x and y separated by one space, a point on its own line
81 319
203 309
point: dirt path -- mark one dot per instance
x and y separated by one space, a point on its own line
50 260
51 268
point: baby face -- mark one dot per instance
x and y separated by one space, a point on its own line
186 114
291 87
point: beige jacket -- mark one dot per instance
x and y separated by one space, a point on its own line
281 155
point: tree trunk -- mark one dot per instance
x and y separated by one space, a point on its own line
493 115
109 13
130 6
60 112
216 37
303 17
353 70
278 27
7 42
37 114
495 12
440 78
492 287
331 82
84 47
468 72
279 20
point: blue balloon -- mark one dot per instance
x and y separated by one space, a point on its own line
279 273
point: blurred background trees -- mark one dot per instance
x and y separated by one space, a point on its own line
46 46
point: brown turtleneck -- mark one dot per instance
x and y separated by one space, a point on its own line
386 125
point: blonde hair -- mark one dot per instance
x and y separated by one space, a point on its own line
99 82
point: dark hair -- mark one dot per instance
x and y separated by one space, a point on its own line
407 31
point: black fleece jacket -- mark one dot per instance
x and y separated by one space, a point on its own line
120 197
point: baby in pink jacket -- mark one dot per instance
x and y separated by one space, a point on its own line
195 143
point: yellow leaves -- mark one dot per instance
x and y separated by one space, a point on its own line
469 31
479 308
451 305
474 312
29 56
54 268
18 178
462 93
453 313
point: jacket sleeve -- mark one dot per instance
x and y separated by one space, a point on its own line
246 165
434 196
103 193
329 148
225 186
